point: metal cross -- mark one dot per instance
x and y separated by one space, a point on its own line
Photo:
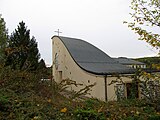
58 32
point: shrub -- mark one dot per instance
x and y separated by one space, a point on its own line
4 103
154 117
81 114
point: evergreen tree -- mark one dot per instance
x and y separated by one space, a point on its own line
3 39
22 52
42 69
42 64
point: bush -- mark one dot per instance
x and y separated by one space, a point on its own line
23 96
81 114
91 104
134 118
4 103
154 117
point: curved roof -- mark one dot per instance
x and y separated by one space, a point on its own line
92 59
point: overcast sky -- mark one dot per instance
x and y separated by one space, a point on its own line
100 22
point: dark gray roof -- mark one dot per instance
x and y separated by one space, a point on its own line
92 59
127 61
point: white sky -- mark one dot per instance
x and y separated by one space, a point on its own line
100 22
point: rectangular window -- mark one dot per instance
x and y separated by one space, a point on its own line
59 75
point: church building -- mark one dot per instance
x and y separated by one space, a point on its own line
78 60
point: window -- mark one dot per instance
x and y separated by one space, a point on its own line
60 75
56 61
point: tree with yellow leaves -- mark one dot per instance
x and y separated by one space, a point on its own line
146 23
146 20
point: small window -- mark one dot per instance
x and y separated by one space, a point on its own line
56 61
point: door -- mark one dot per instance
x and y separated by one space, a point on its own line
132 90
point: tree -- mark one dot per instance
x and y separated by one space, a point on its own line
146 20
43 69
146 23
42 64
22 51
3 40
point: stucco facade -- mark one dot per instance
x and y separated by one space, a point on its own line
65 67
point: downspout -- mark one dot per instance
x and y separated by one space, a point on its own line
105 83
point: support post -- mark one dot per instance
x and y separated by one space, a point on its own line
105 81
